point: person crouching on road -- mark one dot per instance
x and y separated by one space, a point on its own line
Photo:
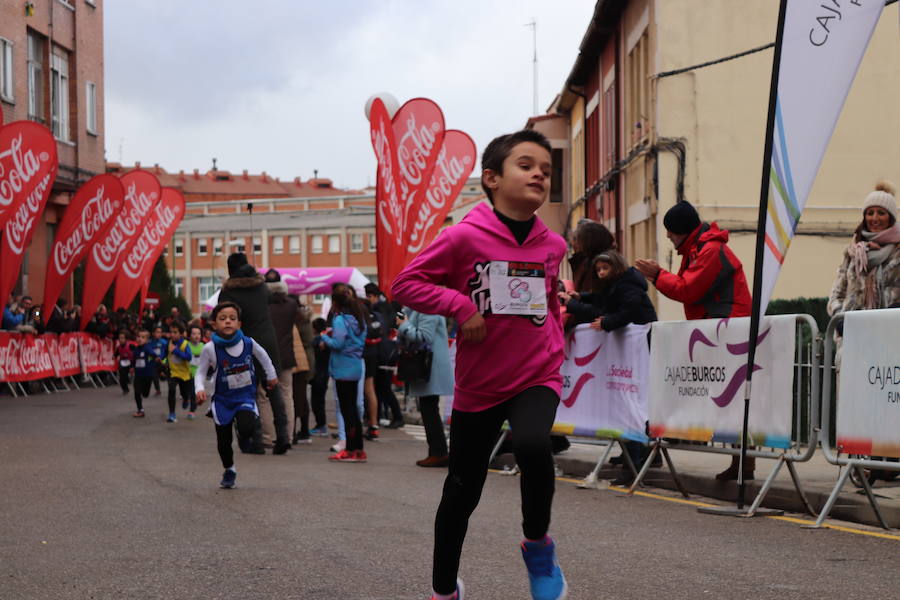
230 356
346 367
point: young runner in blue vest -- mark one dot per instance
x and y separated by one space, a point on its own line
228 361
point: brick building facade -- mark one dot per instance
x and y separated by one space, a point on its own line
51 72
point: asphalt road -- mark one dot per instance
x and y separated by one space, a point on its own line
96 504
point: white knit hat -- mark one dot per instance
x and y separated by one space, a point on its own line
883 196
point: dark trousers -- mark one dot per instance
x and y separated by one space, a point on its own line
318 388
472 437
141 390
346 393
301 404
186 388
245 423
124 378
429 406
386 397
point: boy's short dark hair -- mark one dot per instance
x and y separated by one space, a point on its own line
192 328
372 289
319 325
223 305
500 147
142 330
176 327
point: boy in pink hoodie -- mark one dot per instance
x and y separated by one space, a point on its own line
496 274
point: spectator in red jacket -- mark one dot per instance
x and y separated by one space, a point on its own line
710 282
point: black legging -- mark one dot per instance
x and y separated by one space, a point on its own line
185 387
301 404
429 406
346 393
386 397
141 390
245 422
472 437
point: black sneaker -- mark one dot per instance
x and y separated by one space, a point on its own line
229 479
281 448
395 424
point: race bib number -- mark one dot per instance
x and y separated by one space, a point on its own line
518 288
195 361
124 363
140 363
238 380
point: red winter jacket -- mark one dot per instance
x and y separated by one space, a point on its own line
710 282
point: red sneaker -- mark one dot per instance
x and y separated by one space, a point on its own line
138 413
343 456
360 456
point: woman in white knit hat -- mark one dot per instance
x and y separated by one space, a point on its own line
869 275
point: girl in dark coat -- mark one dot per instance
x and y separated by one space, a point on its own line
618 296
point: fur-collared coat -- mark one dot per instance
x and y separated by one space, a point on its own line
849 290
247 289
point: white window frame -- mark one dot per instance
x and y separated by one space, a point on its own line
356 243
319 298
7 83
35 67
59 96
257 243
373 243
334 243
90 104
202 246
179 247
179 286
218 243
241 246
278 244
317 244
294 244
206 287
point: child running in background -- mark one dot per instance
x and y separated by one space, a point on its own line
319 383
124 353
180 355
158 346
496 273
230 357
195 343
144 369
618 296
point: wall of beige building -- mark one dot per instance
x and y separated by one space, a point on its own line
720 111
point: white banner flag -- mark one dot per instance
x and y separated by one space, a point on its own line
821 48
868 408
698 371
604 391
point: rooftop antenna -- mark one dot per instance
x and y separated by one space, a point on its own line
315 173
533 25
214 164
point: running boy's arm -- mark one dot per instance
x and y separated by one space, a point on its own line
207 360
420 284
182 351
263 357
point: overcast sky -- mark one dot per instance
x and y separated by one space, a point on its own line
280 85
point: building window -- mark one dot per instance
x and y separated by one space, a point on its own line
6 70
373 244
334 244
638 90
294 244
202 244
257 245
35 78
217 246
278 244
179 247
179 286
556 177
356 243
319 298
90 96
59 95
206 287
317 244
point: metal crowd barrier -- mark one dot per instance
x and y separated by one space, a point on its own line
833 455
807 366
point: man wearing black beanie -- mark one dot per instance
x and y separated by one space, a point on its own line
246 288
710 282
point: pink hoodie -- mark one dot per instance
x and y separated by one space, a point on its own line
450 278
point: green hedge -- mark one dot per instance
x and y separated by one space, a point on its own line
815 307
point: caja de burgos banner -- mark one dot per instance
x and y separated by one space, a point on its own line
421 170
28 168
87 218
137 266
698 370
868 401
142 194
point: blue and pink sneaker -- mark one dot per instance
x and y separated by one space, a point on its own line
459 594
546 578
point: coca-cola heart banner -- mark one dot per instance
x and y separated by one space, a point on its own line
142 194
28 167
90 214
421 169
138 264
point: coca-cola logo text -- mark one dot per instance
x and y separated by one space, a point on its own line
95 214
137 205
151 237
25 165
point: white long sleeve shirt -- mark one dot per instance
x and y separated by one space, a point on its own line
209 366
